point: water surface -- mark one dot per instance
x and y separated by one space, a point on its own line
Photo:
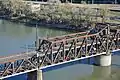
15 36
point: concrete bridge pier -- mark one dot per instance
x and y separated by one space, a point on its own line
35 75
103 60
39 75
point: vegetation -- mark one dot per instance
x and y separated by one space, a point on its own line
54 13
13 7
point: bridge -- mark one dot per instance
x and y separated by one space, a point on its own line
61 49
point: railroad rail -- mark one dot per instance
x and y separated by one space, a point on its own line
60 49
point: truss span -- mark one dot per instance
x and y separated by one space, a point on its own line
62 49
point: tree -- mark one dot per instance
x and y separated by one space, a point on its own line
14 7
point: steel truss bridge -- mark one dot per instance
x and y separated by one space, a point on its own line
62 49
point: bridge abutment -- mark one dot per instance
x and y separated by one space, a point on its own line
103 60
35 75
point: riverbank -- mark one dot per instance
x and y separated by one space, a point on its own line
51 24
60 16
84 26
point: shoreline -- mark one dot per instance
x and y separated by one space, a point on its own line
53 25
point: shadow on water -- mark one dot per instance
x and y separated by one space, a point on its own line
116 53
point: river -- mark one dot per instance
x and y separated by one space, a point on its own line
15 36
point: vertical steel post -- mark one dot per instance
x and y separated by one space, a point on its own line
37 47
13 65
36 37
52 56
107 44
75 49
63 50
86 49
97 46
